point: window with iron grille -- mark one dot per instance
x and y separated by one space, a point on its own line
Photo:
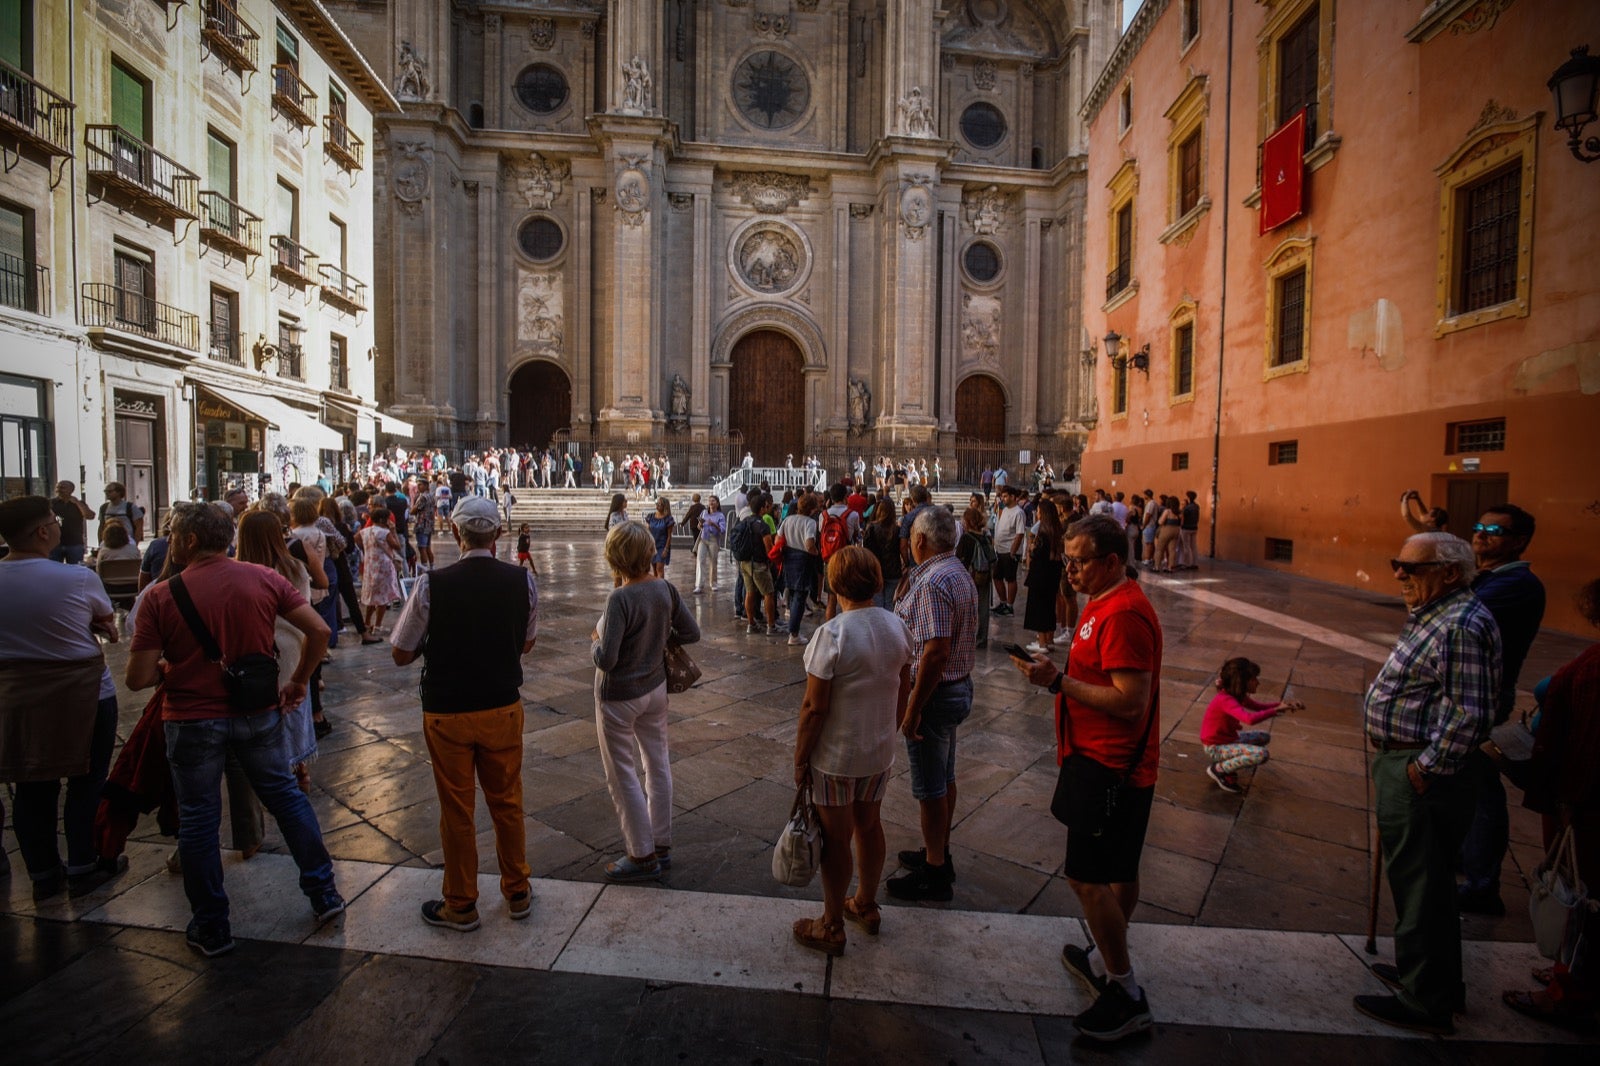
1119 389
1191 20
224 331
1180 460
1486 436
1279 550
1490 210
338 362
1124 271
1283 452
1116 466
1289 346
1183 361
1297 71
1189 173
1125 108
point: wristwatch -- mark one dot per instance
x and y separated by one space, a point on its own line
1055 686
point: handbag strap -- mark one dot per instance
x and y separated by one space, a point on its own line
1138 752
180 596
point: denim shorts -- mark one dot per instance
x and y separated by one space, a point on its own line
933 758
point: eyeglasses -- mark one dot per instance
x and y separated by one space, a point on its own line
1495 530
1078 563
1409 569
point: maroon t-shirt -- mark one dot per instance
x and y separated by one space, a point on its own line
239 603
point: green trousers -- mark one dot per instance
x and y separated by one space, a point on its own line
1421 837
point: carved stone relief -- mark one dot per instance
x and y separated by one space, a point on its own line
411 79
542 33
633 190
637 87
916 206
770 258
861 212
539 311
984 74
980 328
539 181
412 176
769 192
916 117
986 209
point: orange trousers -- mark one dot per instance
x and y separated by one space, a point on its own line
488 743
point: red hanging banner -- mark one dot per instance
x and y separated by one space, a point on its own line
1283 174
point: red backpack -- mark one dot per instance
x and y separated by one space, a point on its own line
834 534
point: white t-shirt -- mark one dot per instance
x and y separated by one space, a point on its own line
797 529
1013 522
861 652
48 610
1119 511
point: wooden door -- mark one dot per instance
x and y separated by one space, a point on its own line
1468 497
540 404
981 410
766 397
136 465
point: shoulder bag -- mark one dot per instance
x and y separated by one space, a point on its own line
682 670
1087 790
1558 901
799 849
250 680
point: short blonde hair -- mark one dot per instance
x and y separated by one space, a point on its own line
629 549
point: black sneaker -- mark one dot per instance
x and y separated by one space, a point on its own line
1391 1011
104 870
916 859
1115 1015
209 941
923 883
327 906
1076 960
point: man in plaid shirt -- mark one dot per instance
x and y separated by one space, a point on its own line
940 607
1431 704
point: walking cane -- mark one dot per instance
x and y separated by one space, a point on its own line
1375 850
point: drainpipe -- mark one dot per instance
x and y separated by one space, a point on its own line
77 317
1222 297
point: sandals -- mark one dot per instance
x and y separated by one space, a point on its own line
1538 1005
818 935
626 871
868 918
1544 974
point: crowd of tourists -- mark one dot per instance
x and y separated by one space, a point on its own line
243 599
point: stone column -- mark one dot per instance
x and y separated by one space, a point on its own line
839 342
949 322
1028 420
493 74
700 328
490 325
583 405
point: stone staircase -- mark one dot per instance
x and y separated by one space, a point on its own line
577 511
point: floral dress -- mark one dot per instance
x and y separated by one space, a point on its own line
380 582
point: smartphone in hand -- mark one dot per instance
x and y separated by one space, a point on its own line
1018 652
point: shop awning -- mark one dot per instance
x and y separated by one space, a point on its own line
298 426
397 426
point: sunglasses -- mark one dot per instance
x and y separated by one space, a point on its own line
1409 569
1495 530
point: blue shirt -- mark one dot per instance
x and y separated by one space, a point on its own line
1516 599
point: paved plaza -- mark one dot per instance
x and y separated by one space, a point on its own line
1249 938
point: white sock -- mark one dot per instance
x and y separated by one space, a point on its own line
1097 961
1129 985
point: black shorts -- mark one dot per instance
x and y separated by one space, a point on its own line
1112 858
1005 567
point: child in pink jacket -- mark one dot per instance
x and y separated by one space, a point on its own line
1229 749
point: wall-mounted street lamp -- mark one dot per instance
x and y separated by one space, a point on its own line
1139 360
1573 85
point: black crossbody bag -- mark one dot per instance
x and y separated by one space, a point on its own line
251 680
1087 790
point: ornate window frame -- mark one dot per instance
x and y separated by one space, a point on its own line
1187 115
1000 255
1124 189
1284 16
1287 257
1185 314
1486 149
808 70
1119 374
522 253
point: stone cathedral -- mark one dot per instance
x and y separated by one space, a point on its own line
833 226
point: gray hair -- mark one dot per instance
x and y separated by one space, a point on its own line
210 527
939 526
1450 550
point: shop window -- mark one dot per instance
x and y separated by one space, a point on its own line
26 465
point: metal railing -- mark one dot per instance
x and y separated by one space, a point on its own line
292 96
122 161
291 361
225 222
292 259
341 143
339 287
1118 280
133 312
24 285
778 478
33 112
230 36
228 347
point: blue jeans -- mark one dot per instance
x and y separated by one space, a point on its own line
72 554
197 752
797 608
933 758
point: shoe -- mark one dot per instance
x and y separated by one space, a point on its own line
209 941
1076 960
1040 649
1226 782
437 912
664 859
794 640
923 883
1389 974
1390 1011
1480 901
368 638
175 862
520 905
816 934
1540 1005
104 870
1003 608
869 918
327 906
322 727
755 629
626 871
916 859
50 887
699 592
1114 1015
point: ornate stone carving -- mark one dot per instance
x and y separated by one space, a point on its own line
540 180
984 74
542 33
859 212
770 258
470 188
539 311
773 24
916 117
859 405
806 5
916 206
980 328
1492 113
768 191
1480 16
637 87
411 80
597 195
678 413
491 23
998 27
633 190
588 31
680 201
412 176
986 209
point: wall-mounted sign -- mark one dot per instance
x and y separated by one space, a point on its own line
1469 465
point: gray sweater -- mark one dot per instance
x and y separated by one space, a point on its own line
633 638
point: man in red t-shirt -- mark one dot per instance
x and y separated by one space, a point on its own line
1108 708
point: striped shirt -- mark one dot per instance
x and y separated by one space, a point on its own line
1440 683
942 601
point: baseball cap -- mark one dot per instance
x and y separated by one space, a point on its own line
476 514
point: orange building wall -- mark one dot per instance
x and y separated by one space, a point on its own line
1368 427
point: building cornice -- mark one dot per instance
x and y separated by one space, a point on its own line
1122 57
316 23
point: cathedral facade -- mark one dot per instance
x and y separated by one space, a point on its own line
796 225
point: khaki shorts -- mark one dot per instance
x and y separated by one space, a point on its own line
758 576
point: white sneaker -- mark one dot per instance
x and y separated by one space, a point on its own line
699 591
797 640
1037 648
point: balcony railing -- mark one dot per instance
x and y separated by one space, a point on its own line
293 97
292 262
134 312
228 347
344 146
342 290
226 225
230 37
1118 280
150 181
24 285
291 361
33 113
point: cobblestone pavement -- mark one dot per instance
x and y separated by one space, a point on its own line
1288 856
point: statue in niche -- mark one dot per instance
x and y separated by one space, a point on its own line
412 82
636 87
679 412
859 405
916 117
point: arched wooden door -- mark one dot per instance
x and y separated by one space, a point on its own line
540 404
980 427
766 396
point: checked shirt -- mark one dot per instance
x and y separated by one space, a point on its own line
941 601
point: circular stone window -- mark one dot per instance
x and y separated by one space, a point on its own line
541 239
542 88
770 90
983 125
982 261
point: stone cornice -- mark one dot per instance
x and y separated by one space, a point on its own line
1458 16
1122 57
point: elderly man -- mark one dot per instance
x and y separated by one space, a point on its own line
1108 715
940 608
1431 704
206 634
473 622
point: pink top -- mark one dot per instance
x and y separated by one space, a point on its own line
1224 715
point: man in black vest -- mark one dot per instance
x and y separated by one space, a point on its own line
473 622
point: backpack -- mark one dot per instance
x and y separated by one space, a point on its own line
983 553
745 542
835 534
